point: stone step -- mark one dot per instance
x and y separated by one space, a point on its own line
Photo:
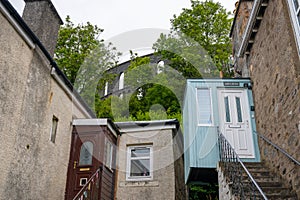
272 186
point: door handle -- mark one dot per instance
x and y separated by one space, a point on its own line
234 126
75 164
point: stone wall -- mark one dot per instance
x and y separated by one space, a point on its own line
274 69
224 189
167 182
32 167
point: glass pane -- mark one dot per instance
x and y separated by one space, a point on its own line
108 154
86 153
204 106
239 110
296 3
227 111
140 167
140 152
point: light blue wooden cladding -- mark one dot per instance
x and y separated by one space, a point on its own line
201 120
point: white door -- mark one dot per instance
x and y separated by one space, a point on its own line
235 120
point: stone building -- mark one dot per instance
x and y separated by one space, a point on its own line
266 48
150 160
37 104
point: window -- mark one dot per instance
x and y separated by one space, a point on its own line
297 9
227 109
294 6
106 89
108 154
204 106
86 153
239 109
121 81
53 129
139 163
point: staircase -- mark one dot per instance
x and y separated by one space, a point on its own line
272 186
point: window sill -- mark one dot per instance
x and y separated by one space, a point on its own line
139 183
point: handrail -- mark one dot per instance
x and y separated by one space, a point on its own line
87 183
252 179
278 148
235 155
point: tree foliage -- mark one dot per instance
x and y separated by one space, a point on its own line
206 24
79 44
84 59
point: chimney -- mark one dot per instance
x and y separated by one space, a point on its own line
43 19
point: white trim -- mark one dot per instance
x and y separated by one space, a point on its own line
94 122
110 162
16 26
139 126
146 128
69 92
211 106
150 157
295 23
91 122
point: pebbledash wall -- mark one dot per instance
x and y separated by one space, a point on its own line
271 59
167 178
32 94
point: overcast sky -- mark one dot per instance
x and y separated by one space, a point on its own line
117 17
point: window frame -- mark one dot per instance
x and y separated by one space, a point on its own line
295 22
109 163
129 159
91 154
211 107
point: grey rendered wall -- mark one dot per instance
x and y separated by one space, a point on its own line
32 167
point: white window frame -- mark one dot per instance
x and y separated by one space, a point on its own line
295 22
108 157
198 109
129 158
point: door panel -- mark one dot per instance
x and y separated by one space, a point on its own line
85 158
235 120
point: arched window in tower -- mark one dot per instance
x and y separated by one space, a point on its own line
86 153
121 81
106 89
160 67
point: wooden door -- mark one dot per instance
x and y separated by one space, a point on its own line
85 158
235 121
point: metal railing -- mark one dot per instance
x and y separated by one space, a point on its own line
243 185
278 148
91 190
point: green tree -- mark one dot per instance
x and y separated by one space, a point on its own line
84 58
208 24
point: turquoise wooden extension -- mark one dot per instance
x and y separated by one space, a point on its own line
211 105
